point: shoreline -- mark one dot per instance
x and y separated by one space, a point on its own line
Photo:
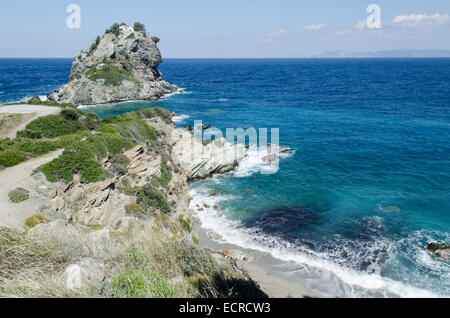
262 268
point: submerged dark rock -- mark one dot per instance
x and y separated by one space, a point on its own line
285 221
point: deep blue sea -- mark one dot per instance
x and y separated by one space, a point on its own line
365 187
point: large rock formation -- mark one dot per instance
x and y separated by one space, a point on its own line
121 65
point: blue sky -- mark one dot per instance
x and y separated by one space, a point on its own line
231 28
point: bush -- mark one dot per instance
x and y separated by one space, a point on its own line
139 27
150 198
119 164
82 157
34 220
18 195
52 126
155 39
112 75
165 177
162 113
115 29
11 157
129 125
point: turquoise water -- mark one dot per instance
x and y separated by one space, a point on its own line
366 186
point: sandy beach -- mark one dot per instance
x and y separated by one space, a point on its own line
262 269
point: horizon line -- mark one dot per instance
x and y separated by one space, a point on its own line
257 58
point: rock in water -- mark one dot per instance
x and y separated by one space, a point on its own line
121 65
439 250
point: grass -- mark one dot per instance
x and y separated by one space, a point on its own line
153 263
141 284
185 223
10 121
18 195
134 208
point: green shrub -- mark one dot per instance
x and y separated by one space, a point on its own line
195 239
129 125
49 103
82 157
15 151
112 75
141 284
139 27
34 220
114 29
70 114
18 195
119 164
94 46
162 113
51 126
155 39
165 177
150 198
131 36
11 157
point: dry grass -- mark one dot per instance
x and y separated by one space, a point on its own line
10 121
152 262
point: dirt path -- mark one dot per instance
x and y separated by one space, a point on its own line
36 110
14 214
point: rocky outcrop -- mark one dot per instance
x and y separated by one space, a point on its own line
119 66
439 250
202 160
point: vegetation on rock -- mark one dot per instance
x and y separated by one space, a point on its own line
18 195
111 74
139 27
34 220
149 198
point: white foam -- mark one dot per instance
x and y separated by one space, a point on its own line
178 119
254 160
326 277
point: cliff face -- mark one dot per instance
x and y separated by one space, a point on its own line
119 66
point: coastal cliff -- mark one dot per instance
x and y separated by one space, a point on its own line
121 65
105 211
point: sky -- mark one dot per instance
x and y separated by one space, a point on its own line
228 28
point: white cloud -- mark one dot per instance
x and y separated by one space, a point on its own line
360 25
315 27
271 36
419 19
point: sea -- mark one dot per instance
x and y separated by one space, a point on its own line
364 187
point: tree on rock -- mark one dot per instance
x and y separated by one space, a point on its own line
139 27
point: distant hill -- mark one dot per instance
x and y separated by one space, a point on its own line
379 54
